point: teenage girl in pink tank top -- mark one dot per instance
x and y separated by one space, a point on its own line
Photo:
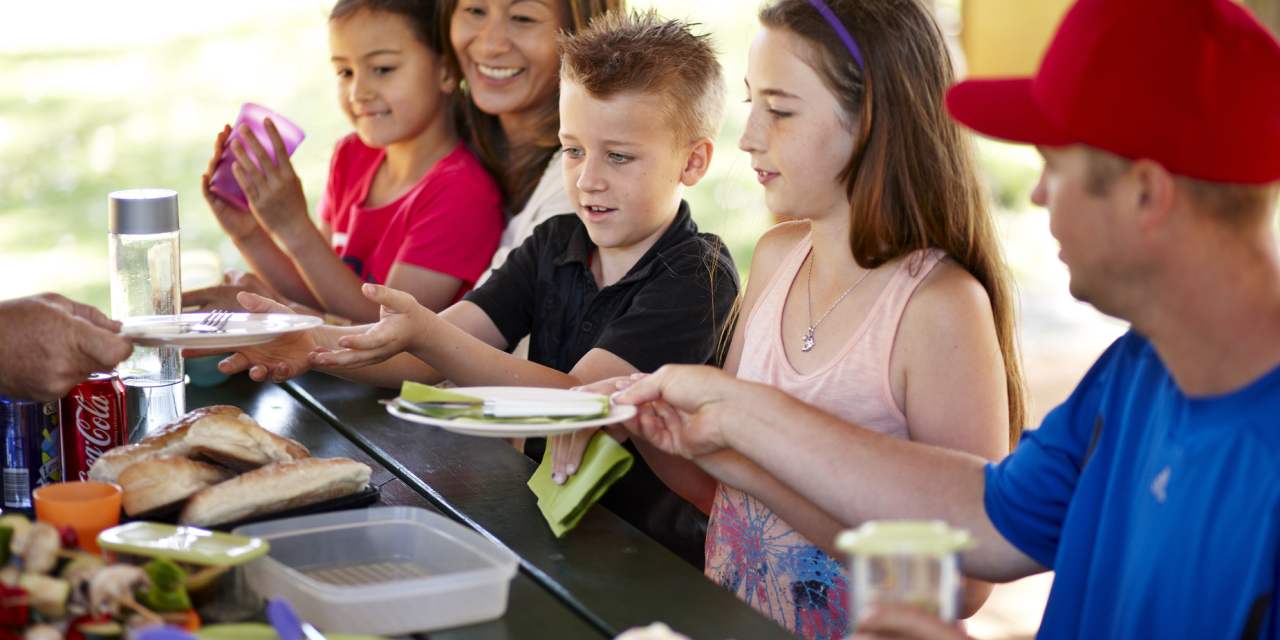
886 304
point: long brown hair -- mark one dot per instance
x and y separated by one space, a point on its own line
911 181
517 167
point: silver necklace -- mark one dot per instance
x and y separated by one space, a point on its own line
808 342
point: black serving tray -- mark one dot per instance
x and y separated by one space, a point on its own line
363 498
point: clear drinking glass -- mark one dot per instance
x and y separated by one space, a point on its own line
146 280
904 562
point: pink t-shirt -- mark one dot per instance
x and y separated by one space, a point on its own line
449 222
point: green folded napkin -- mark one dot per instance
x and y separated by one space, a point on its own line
445 404
563 505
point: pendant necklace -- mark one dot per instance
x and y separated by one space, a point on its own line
808 342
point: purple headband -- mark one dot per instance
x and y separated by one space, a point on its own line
835 23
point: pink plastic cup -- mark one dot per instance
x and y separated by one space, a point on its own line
223 183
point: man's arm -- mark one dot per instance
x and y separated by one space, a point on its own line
898 479
852 473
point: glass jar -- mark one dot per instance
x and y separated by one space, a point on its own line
911 562
146 280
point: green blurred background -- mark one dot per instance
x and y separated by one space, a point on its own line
105 96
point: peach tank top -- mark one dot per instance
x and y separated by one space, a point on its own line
749 550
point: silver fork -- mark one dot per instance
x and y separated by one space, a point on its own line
215 322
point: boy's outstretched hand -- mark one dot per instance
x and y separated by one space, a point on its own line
281 359
402 319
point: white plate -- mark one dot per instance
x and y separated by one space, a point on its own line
617 413
242 330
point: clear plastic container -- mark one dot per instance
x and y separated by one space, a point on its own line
908 562
382 570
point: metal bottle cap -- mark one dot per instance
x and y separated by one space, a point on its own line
142 211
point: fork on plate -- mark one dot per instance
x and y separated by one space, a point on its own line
214 322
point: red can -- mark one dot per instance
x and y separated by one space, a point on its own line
93 422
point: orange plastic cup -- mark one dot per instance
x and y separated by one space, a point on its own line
86 507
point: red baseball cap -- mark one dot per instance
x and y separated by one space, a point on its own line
1191 84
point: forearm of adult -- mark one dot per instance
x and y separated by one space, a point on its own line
267 260
687 479
857 475
334 285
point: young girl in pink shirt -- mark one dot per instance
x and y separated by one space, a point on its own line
407 204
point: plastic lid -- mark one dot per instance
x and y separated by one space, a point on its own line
904 537
142 211
182 544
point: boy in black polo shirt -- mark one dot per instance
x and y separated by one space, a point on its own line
624 286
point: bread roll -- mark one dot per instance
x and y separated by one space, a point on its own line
108 466
157 483
238 442
169 440
175 432
275 487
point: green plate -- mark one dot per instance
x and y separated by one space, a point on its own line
255 631
182 544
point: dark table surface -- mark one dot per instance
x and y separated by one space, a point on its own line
532 611
610 573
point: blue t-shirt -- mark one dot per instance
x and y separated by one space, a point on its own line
1159 512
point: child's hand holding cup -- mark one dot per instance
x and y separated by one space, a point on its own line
223 182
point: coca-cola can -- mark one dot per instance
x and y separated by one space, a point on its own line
93 422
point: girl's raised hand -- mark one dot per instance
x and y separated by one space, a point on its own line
238 223
402 319
272 188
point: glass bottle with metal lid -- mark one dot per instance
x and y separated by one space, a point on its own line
146 280
914 562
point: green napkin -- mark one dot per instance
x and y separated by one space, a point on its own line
563 505
444 404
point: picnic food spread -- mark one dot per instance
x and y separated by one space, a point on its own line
47 586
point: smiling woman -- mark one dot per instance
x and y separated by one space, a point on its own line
505 51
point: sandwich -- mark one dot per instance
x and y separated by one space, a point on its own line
275 487
161 483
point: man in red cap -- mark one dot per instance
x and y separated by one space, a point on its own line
1153 492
